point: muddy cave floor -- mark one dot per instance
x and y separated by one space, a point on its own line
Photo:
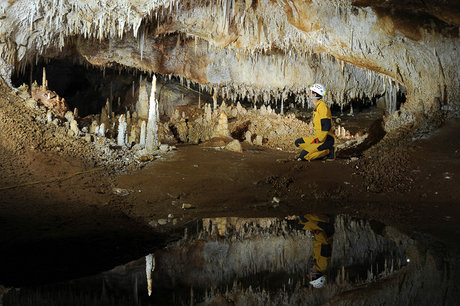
79 226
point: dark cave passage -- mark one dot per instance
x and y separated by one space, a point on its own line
83 86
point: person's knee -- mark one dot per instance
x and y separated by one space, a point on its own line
299 141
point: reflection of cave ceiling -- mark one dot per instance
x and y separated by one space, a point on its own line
261 49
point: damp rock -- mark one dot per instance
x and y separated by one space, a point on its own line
120 191
74 128
164 148
234 146
162 221
145 158
31 103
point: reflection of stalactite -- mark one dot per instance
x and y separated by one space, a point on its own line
149 268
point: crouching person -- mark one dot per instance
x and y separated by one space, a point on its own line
322 144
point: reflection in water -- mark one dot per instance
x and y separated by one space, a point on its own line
149 268
256 261
322 228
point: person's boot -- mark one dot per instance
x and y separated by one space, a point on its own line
331 156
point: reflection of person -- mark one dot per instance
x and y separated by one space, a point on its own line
323 228
322 144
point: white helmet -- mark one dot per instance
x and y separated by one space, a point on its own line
318 88
320 282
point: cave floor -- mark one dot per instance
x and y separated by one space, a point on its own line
82 221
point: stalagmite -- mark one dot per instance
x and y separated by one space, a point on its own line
74 128
49 116
142 134
69 116
151 142
207 112
142 104
121 131
263 110
132 135
104 116
248 136
44 80
94 126
108 107
214 100
221 130
101 130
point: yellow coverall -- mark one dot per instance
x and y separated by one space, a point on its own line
322 144
323 229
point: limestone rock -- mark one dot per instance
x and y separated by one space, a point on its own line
164 148
74 128
69 116
234 146
93 128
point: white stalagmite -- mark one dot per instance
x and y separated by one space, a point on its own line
44 80
151 141
101 130
142 105
207 113
49 116
214 100
121 131
142 136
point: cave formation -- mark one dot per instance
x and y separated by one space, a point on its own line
120 82
264 52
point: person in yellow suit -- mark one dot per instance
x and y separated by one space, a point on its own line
322 144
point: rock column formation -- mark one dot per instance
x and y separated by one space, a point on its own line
151 142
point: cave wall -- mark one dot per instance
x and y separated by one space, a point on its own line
257 47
